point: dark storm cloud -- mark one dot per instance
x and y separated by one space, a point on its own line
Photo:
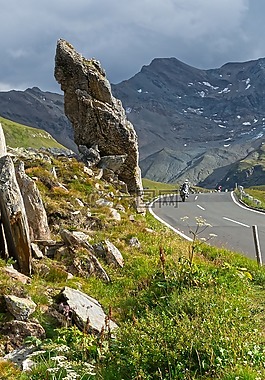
125 35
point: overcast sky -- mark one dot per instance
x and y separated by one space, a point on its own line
124 35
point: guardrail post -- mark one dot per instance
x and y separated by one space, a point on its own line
257 245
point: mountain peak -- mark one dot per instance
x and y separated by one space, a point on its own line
195 113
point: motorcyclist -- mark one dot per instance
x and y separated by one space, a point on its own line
185 189
185 186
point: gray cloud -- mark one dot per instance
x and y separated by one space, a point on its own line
125 35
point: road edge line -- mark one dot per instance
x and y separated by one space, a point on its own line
165 223
242 206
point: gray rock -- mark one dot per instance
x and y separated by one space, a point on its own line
120 207
58 152
14 216
22 357
76 238
99 174
20 308
115 214
104 203
36 214
88 171
100 250
86 310
140 205
134 242
28 364
16 331
88 265
90 156
113 163
109 253
19 355
113 255
36 252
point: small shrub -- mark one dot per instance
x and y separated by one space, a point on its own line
9 371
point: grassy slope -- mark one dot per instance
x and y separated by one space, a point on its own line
178 319
22 136
158 186
254 158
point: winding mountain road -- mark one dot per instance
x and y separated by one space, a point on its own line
229 221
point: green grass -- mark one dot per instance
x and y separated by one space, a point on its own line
158 186
21 136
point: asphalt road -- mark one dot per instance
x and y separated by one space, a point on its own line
228 220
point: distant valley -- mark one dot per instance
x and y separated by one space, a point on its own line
204 125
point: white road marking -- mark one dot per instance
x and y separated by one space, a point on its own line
202 208
196 197
165 223
234 221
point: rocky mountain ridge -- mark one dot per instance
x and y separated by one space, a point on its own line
190 122
205 119
43 110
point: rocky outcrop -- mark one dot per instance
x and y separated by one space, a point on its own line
36 214
90 156
97 117
13 216
109 253
88 264
16 331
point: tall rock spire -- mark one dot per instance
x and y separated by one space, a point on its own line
96 115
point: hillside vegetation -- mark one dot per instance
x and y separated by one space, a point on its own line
185 310
22 136
248 172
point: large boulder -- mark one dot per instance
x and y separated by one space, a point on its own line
20 308
97 117
86 311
